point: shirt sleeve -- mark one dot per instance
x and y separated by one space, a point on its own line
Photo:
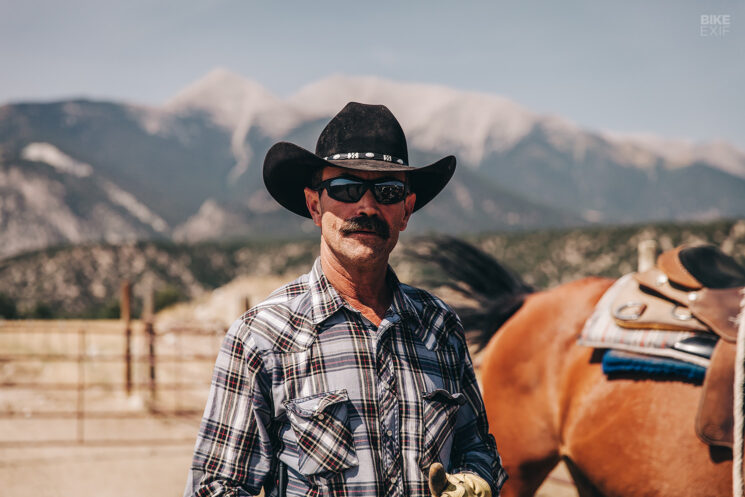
232 456
474 448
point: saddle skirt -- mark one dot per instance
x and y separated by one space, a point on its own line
686 309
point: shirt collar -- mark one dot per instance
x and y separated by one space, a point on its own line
325 300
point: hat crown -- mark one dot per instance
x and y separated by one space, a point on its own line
362 128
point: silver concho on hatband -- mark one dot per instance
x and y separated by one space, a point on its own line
365 155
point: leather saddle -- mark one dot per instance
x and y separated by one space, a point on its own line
699 289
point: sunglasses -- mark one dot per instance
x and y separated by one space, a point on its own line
350 190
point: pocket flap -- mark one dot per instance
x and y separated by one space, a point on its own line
446 397
315 404
322 434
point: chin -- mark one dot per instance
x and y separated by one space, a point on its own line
364 252
366 249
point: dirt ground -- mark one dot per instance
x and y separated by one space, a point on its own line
94 471
147 471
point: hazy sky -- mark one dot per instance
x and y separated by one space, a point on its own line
631 66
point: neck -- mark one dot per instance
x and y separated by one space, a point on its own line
363 286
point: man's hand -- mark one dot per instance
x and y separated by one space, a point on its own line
442 484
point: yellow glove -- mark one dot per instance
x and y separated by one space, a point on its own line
442 484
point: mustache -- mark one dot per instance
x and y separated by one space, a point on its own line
366 223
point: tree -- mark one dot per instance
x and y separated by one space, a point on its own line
8 308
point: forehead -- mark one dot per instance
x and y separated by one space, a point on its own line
329 172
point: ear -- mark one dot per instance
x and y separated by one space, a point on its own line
313 202
409 203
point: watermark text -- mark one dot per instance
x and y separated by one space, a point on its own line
715 25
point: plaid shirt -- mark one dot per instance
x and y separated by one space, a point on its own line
351 409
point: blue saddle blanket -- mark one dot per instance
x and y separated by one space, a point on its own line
620 361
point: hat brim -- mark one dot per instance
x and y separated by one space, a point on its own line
288 169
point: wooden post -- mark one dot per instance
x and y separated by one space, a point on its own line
150 333
178 370
125 313
147 316
148 301
647 251
80 414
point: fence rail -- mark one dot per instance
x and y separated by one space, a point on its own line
91 371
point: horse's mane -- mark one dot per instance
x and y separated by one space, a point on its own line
497 291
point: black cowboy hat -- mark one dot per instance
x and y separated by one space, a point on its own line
362 137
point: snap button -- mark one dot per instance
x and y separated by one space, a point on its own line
321 416
389 433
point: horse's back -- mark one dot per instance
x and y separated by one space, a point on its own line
547 398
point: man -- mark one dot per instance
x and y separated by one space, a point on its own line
346 382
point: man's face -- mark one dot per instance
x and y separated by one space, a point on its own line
363 231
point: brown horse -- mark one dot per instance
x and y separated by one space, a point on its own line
548 400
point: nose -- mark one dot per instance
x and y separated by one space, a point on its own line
367 205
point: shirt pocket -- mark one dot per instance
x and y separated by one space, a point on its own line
321 426
440 410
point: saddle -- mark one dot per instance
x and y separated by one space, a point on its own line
697 289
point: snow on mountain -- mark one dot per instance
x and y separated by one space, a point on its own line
566 136
210 222
231 100
435 118
135 207
51 155
161 122
36 211
680 152
472 125
238 104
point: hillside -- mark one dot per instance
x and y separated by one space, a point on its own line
84 281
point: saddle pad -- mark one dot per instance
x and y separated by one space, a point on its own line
619 361
601 331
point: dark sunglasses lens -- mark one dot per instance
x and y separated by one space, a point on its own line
346 190
389 192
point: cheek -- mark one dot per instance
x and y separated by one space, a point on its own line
399 218
330 222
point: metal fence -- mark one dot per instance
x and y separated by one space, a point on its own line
60 378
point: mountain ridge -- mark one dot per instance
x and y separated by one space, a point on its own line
84 170
417 106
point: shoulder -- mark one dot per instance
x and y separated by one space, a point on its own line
282 322
436 316
426 302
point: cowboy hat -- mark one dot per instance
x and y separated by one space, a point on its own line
362 137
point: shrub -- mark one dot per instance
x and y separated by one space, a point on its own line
8 308
168 296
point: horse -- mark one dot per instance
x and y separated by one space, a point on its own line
547 399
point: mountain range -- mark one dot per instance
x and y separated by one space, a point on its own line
190 170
